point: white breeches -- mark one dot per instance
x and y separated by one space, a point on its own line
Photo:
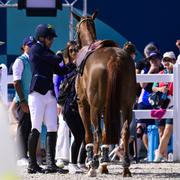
43 108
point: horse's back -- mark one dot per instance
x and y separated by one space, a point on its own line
101 59
96 72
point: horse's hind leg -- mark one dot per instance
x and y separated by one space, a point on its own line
84 111
127 115
96 117
104 159
104 154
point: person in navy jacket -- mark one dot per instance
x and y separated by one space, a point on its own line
42 101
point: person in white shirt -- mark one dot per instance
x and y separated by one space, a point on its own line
22 78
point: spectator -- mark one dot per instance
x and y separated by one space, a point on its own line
144 63
178 44
165 126
42 101
62 146
71 51
72 117
143 102
22 79
57 79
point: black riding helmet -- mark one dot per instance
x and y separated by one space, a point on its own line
45 30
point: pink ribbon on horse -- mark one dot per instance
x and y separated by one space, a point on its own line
158 113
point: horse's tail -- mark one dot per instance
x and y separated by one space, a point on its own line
112 108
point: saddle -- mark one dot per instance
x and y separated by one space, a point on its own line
87 50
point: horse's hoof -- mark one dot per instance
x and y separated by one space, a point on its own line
127 173
95 162
103 169
92 172
126 162
88 163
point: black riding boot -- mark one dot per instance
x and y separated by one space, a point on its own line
82 153
33 167
50 154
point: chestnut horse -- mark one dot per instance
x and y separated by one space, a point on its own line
106 88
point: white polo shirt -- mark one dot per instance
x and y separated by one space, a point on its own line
18 68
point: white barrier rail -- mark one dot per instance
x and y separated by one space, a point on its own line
6 79
147 78
175 112
146 114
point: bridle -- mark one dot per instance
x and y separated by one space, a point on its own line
87 19
82 20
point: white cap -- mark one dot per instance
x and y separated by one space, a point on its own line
169 54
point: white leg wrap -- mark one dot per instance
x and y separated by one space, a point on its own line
104 146
89 145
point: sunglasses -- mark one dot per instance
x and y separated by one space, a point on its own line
73 50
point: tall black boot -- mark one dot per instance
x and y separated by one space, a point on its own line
82 153
33 167
50 154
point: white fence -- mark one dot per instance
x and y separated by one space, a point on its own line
145 114
175 112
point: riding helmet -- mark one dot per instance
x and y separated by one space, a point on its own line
45 30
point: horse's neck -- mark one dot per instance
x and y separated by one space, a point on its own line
85 40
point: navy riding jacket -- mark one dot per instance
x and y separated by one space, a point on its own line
44 63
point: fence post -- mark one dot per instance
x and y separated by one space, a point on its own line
176 119
4 84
